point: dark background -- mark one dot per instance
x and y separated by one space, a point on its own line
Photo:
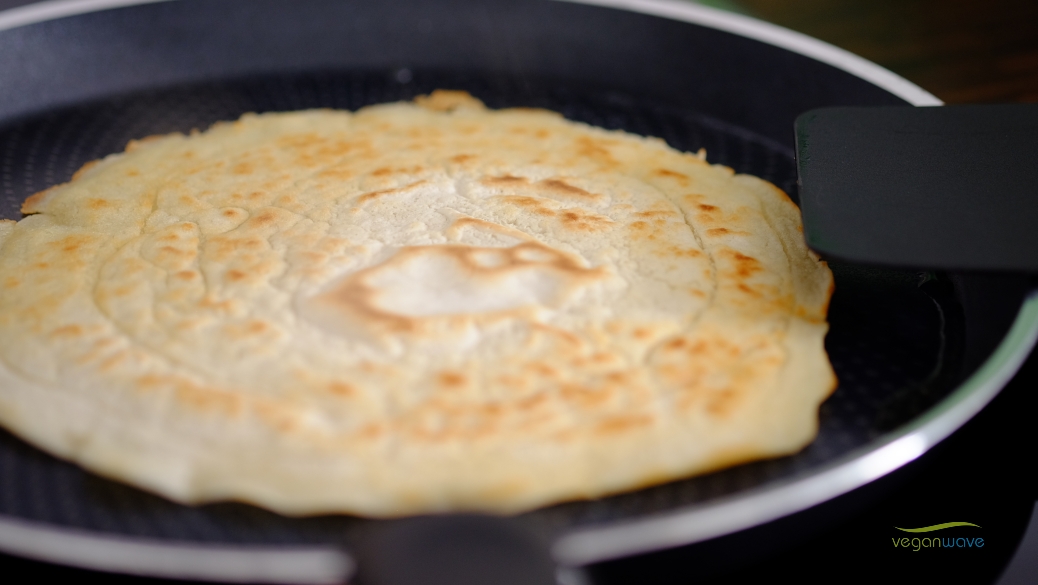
963 51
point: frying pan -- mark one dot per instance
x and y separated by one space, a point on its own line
917 353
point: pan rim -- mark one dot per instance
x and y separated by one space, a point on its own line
585 545
54 9
778 36
310 564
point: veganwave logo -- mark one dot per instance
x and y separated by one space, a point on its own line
919 543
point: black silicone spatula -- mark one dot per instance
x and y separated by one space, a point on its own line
952 187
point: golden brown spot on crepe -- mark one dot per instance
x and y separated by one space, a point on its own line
421 133
376 194
579 220
672 174
243 168
745 266
371 431
702 346
312 257
543 370
373 195
256 327
505 180
654 214
621 424
186 275
584 397
682 252
246 330
561 187
718 231
723 403
560 334
67 331
122 291
263 219
455 230
230 213
535 205
547 189
533 402
71 246
251 243
97 349
298 141
748 290
337 173
452 379
336 149
188 201
707 208
221 248
190 395
593 148
510 381
172 252
34 203
462 158
113 361
445 100
277 418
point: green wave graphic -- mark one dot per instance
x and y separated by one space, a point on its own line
936 527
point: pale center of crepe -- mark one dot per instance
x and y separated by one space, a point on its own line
450 287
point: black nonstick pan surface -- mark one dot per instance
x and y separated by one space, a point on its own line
916 352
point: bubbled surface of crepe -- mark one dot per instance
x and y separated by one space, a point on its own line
416 307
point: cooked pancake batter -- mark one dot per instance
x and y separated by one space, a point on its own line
417 307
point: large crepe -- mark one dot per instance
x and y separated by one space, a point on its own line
417 307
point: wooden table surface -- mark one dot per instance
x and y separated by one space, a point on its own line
962 51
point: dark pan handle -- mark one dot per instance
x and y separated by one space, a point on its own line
454 550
